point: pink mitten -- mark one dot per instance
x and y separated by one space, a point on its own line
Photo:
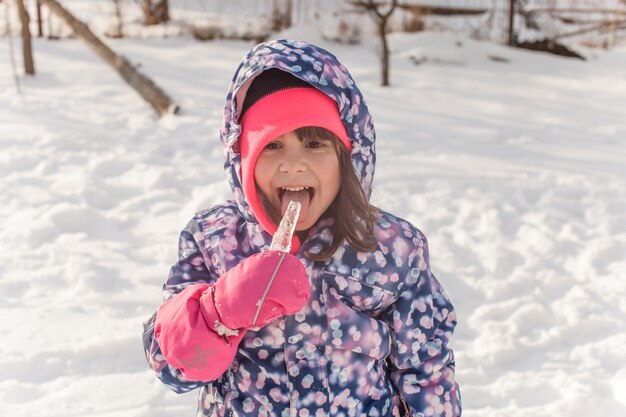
199 329
188 343
260 289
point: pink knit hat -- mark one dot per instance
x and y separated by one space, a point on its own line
277 103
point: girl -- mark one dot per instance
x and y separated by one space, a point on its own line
351 322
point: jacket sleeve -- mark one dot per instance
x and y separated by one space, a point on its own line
189 270
421 364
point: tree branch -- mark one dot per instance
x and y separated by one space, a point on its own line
373 6
143 85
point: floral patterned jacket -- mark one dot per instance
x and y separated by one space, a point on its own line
373 337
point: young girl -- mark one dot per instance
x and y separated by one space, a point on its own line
351 322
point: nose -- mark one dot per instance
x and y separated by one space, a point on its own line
293 162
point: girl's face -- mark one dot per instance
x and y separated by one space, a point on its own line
301 170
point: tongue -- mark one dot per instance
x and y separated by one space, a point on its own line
301 197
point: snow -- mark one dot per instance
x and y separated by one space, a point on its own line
510 161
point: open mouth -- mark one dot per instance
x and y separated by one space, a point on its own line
283 190
300 193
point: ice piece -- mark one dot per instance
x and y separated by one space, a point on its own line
282 238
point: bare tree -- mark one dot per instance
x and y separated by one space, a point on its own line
27 47
39 21
155 11
281 14
288 13
117 31
376 9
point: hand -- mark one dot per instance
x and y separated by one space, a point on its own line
187 343
260 289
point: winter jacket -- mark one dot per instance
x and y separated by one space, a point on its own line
372 340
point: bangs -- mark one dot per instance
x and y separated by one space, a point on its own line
314 132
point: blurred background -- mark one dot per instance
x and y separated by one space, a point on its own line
501 134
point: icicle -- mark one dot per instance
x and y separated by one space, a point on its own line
280 242
282 238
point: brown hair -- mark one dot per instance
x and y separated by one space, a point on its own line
354 217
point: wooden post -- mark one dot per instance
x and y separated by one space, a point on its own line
511 22
146 88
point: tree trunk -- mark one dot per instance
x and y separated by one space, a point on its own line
117 31
281 16
511 22
288 13
156 13
27 47
146 88
39 20
277 17
381 18
384 56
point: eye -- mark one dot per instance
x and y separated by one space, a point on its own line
314 144
272 146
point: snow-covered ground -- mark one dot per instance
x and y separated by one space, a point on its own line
511 162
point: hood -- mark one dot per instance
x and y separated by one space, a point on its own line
323 71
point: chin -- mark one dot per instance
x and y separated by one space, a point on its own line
302 227
306 225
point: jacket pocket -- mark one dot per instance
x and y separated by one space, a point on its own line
351 310
357 294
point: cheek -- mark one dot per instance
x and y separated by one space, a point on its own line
333 177
337 185
261 175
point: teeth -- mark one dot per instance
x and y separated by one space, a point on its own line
295 188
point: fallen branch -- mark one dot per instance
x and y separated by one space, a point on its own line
551 46
597 28
549 10
424 10
146 88
586 21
